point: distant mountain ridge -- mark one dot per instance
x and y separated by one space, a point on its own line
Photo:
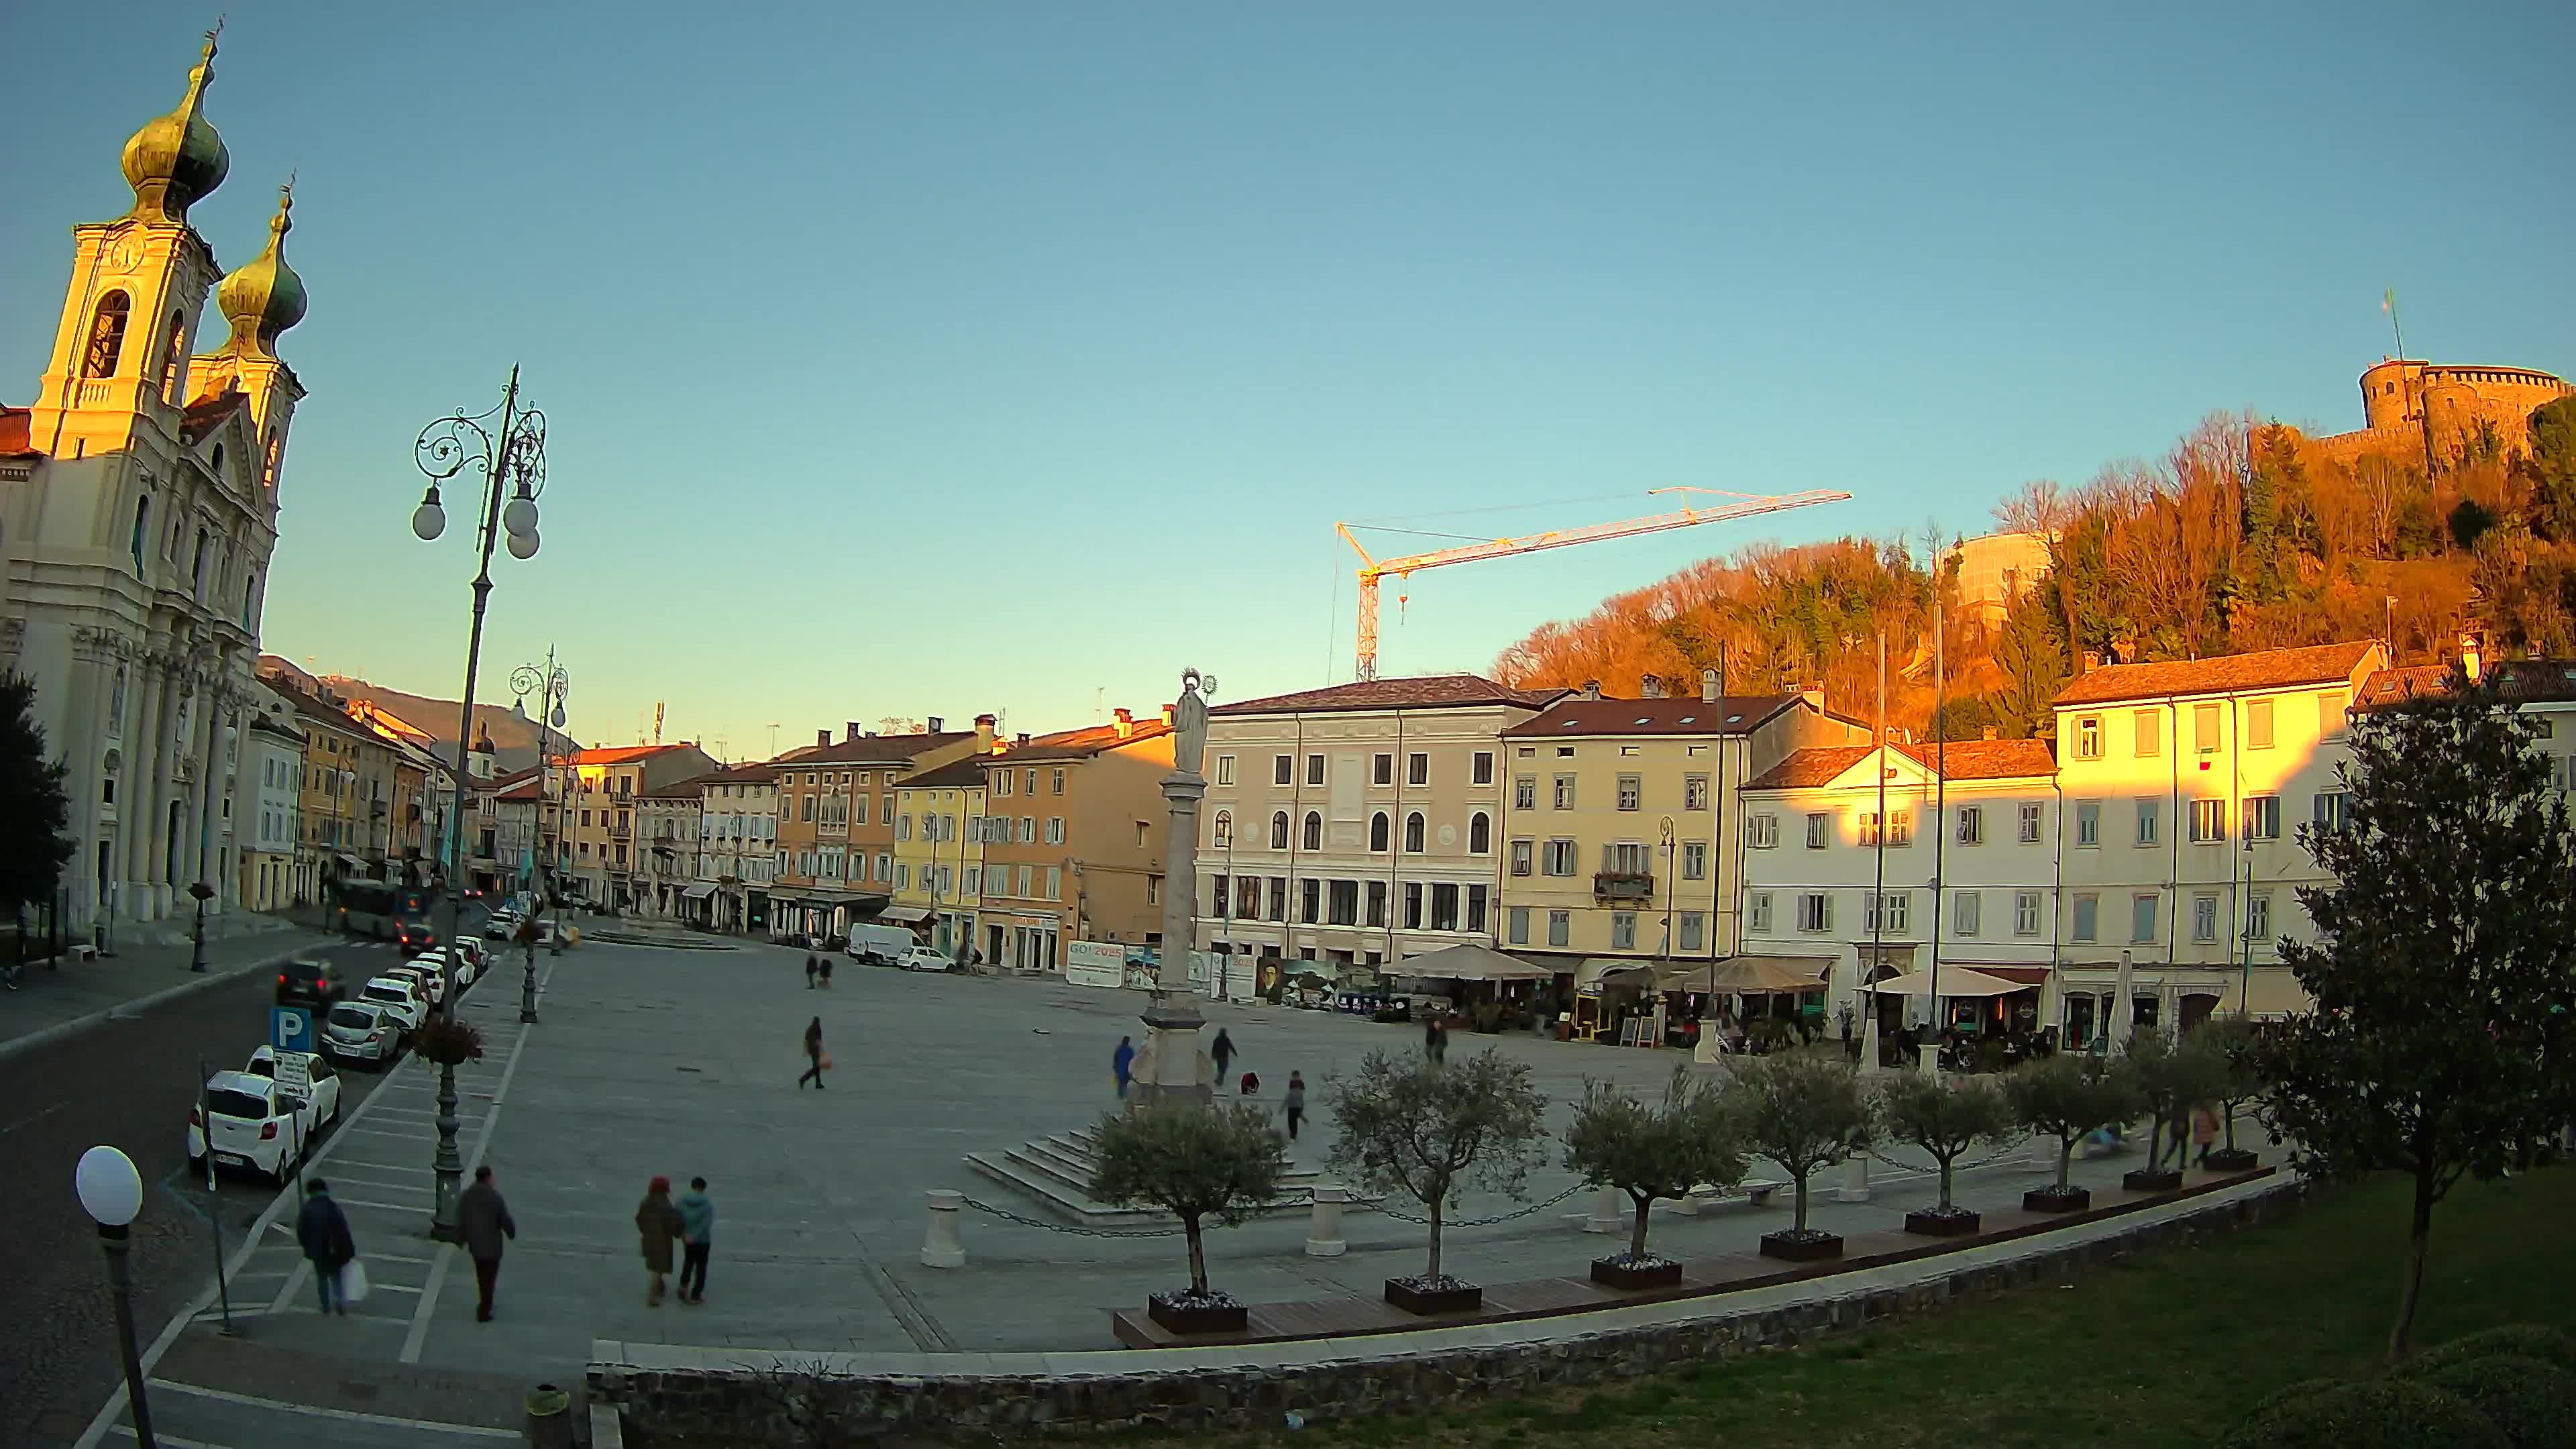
514 736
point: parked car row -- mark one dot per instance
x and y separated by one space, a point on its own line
251 1120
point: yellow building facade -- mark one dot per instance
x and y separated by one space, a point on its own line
939 852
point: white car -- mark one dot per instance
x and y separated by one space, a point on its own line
243 1120
502 926
425 972
324 1108
400 997
923 958
362 1031
471 961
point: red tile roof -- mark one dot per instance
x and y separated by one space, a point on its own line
872 749
1080 744
1820 765
1575 716
208 413
965 774
2224 674
16 433
2530 680
619 754
692 788
762 773
1429 691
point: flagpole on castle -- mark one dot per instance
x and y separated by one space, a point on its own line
2421 398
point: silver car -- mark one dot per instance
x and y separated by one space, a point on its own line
362 1031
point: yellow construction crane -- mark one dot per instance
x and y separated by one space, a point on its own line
1372 569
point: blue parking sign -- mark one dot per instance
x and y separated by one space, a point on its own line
290 1028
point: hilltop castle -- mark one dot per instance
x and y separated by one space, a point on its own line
2409 407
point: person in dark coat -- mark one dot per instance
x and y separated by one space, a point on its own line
1221 1051
1296 1102
484 1220
658 1223
1122 1062
813 1054
813 963
825 963
323 1232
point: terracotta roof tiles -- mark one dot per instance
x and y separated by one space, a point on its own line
1820 765
619 754
208 413
1429 691
1076 744
2224 674
872 749
965 774
1575 716
2534 681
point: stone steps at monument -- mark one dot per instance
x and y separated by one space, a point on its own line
1056 1171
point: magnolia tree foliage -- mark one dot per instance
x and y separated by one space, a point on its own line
2443 966
2068 1095
1196 1161
1802 1111
1946 1119
35 814
1431 1131
1654 1149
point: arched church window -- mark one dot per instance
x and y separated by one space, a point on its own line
107 335
219 461
269 469
142 516
171 357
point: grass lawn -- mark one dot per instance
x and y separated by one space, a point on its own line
2168 1348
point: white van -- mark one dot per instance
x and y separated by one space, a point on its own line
882 944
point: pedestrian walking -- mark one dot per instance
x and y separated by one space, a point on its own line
814 1055
2204 1131
484 1220
1221 1051
826 959
1120 1061
323 1232
1435 1041
1295 1102
2175 1128
657 1223
698 1227
813 964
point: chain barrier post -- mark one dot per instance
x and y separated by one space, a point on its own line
1606 1215
1324 1227
942 1248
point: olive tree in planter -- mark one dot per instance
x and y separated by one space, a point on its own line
1650 1151
2238 1080
2164 1075
1198 1162
2066 1096
1430 1132
1947 1120
1805 1113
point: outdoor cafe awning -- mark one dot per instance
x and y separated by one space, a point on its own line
903 915
1750 975
1956 981
697 892
1467 961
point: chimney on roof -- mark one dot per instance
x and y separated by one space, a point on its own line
938 725
2092 660
1650 686
822 737
1167 715
1592 689
2471 657
985 724
1023 738
1990 733
1708 686
849 730
1126 722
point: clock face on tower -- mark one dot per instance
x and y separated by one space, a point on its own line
125 255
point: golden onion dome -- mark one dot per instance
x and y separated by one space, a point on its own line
263 297
177 159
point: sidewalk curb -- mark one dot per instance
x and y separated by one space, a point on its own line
46 1036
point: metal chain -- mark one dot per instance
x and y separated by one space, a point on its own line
1008 1216
1521 1212
1934 1169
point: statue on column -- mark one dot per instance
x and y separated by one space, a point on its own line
1189 720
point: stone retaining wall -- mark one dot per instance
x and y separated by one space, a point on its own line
751 1397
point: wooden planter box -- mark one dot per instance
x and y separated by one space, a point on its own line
2151 1179
1611 1273
1941 1225
1404 1295
1801 1250
2050 1200
1197 1317
2233 1159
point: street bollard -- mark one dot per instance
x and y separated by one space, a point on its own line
1855 1186
549 1418
1609 1212
1324 1227
941 1248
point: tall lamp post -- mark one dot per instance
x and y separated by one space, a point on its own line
507 445
550 684
111 1192
197 936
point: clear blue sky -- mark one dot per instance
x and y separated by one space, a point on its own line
930 359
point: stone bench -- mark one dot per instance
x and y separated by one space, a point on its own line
1755 1191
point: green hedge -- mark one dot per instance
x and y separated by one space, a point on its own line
2529 1340
2532 1402
2393 1413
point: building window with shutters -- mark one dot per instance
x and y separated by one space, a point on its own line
1694 931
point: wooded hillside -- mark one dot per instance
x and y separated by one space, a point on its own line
2244 536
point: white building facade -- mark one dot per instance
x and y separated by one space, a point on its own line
1962 877
138 509
1341 825
737 849
271 811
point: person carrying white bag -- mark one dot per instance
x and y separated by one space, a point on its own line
323 1231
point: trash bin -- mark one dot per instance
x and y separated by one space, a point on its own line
549 1418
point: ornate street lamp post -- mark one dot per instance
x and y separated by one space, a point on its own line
507 445
550 684
111 1192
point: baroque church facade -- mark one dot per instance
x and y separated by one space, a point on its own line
138 515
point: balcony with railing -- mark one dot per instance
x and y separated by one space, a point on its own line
621 832
1623 886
